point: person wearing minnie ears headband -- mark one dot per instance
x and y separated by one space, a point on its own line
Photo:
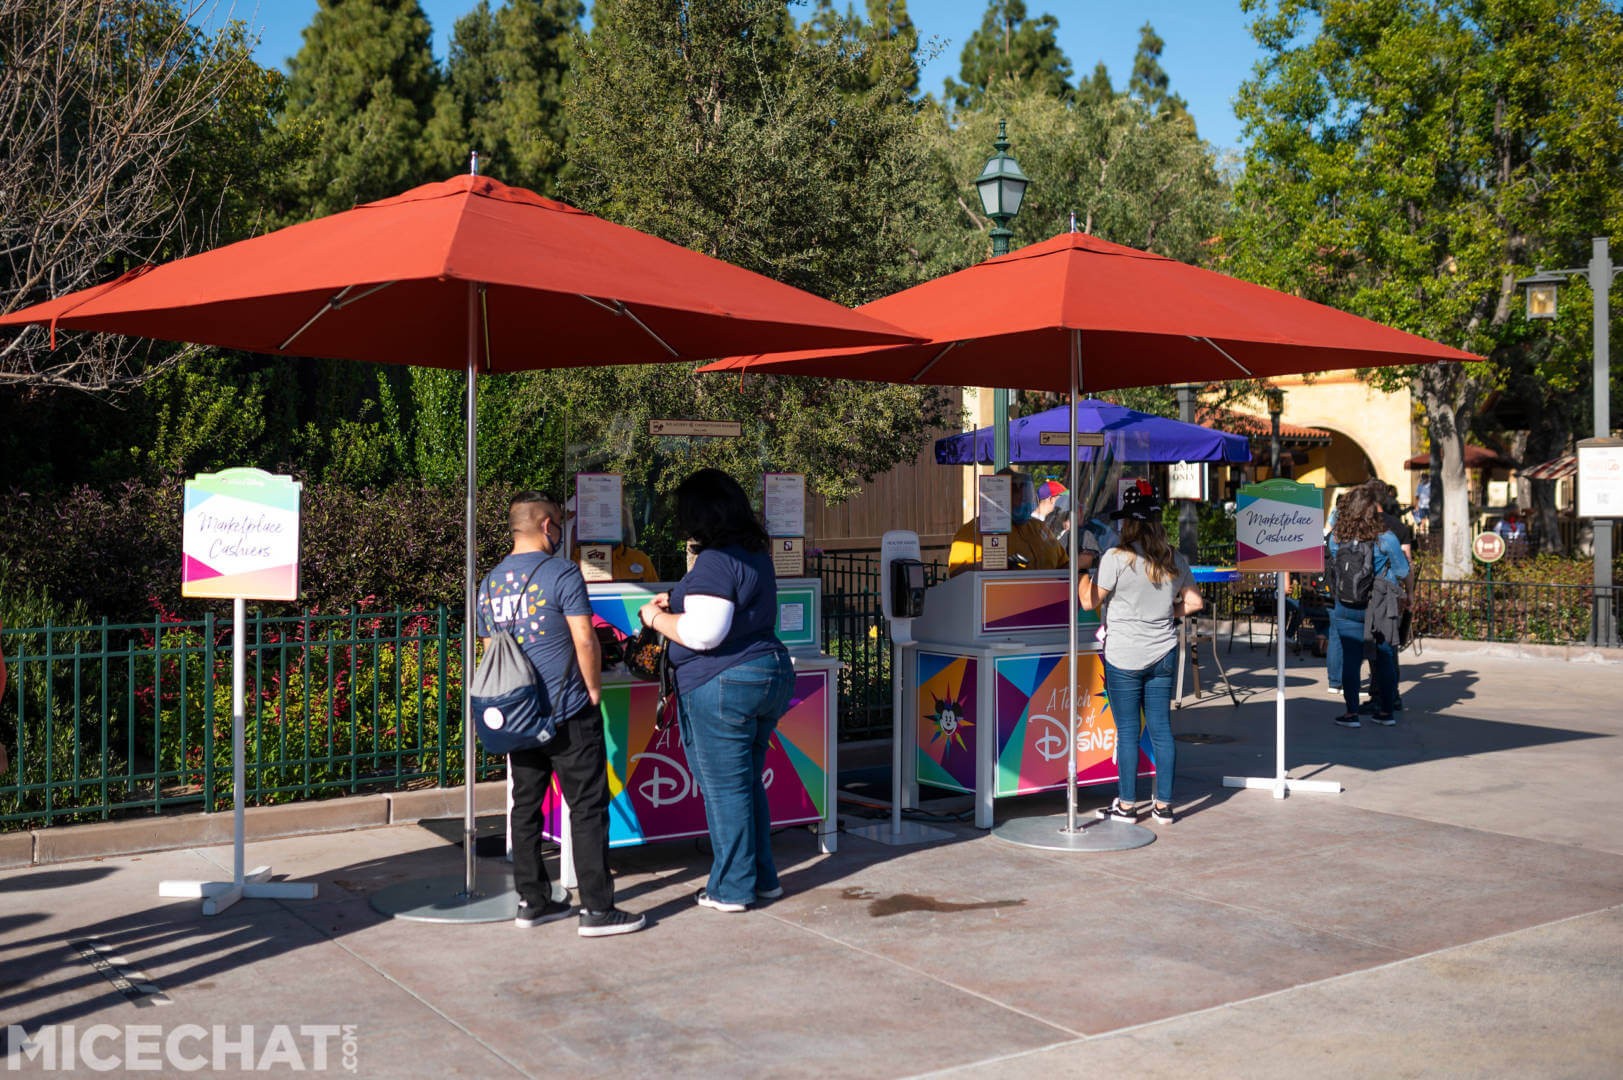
1139 587
733 680
540 598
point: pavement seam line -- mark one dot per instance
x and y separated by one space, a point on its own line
1129 1029
933 978
497 1054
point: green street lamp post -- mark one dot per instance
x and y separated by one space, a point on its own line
1276 406
1542 288
1001 186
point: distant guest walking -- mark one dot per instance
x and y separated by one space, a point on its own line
1362 551
1139 588
733 678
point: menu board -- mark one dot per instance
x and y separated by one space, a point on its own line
1600 478
996 502
597 508
785 497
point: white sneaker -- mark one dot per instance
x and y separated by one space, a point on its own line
1335 691
706 900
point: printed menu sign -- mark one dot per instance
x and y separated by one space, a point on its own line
785 495
1600 478
597 508
996 501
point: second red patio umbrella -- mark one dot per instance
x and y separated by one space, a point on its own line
1043 317
471 274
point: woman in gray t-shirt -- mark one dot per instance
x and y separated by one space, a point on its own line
1139 588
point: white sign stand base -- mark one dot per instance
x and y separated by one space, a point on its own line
1279 782
219 895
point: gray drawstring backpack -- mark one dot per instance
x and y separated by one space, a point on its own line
510 708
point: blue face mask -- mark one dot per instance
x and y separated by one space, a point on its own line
1022 513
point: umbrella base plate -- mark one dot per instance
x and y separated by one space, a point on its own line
445 899
1092 834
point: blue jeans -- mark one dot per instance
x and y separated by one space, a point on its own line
1347 626
1332 656
726 725
1147 691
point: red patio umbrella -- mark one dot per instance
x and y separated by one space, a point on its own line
468 273
1040 317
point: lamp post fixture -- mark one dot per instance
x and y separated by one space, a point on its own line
1276 406
1542 288
1001 186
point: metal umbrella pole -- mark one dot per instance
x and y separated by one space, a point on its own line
461 898
1058 833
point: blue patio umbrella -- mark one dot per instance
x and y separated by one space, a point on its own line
1130 436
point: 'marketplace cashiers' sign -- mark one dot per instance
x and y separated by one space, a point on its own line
1279 526
240 536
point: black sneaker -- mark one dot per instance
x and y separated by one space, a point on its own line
610 922
1349 720
1383 719
1117 811
551 911
769 894
1164 814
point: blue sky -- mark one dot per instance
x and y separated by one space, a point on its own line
1208 50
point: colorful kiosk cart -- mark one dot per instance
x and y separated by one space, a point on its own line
983 691
655 796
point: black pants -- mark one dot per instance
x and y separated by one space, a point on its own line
578 755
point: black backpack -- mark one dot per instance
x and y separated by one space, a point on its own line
1352 569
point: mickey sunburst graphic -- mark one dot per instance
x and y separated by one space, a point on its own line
949 718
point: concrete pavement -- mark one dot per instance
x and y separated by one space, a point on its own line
1458 911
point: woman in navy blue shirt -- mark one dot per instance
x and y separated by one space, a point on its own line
733 679
1358 521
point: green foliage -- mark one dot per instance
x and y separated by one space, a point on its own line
1009 47
887 39
1150 82
364 80
1128 176
504 91
1409 161
721 129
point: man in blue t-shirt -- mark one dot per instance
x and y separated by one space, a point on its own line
541 600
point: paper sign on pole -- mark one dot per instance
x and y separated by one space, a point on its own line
1600 478
1279 525
597 509
240 536
1187 480
785 501
996 504
789 556
995 551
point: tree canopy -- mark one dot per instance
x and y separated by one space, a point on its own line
1011 46
1409 161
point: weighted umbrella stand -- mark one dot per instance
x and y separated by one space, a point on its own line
1056 832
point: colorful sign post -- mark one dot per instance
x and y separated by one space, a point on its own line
1279 527
239 539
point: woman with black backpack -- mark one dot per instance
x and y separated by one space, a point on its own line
1362 550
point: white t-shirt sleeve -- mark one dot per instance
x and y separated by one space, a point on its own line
704 622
